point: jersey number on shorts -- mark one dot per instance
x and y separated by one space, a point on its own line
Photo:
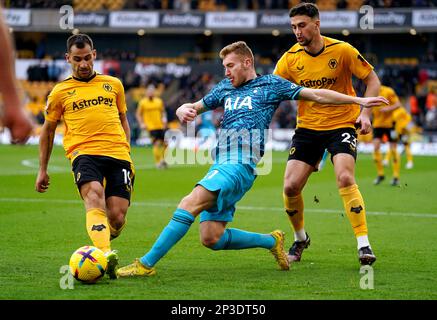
348 138
127 180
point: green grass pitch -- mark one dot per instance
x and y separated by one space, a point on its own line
39 232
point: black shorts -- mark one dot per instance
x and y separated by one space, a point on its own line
309 145
117 176
157 135
390 133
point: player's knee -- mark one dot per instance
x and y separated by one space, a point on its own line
117 223
209 240
94 197
186 203
117 219
191 203
345 179
291 189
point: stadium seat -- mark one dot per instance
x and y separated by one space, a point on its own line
85 5
327 4
354 4
292 3
207 5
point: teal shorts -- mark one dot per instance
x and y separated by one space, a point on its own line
231 181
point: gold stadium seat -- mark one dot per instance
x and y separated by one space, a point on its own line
354 4
327 4
115 4
292 3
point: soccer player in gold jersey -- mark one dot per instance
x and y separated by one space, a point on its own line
12 113
96 142
382 123
316 61
151 116
403 125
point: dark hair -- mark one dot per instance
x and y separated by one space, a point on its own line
80 41
305 9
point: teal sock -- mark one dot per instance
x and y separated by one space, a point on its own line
234 239
172 233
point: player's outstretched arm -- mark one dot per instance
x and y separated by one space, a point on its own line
13 115
125 125
189 111
325 96
45 149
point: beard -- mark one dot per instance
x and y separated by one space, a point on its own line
305 42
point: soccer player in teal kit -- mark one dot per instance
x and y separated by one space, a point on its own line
249 102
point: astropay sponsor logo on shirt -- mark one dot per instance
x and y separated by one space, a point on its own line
131 19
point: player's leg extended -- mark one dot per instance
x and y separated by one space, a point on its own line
344 166
377 157
387 158
409 155
188 209
295 177
156 151
396 163
162 148
190 206
96 221
116 209
216 236
405 138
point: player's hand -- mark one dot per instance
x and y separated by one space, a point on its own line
20 125
186 113
363 123
372 101
42 182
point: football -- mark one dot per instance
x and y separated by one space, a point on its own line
88 264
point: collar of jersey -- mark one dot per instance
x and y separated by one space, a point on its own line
316 54
86 80
244 83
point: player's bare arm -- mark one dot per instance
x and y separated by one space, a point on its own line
373 85
45 150
189 111
125 125
391 108
139 117
326 96
13 115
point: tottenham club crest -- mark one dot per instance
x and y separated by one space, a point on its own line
107 87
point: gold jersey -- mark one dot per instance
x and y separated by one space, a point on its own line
402 119
91 112
332 68
151 110
384 119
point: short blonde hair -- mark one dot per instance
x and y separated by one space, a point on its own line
239 48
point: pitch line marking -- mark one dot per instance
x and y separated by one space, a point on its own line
244 208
